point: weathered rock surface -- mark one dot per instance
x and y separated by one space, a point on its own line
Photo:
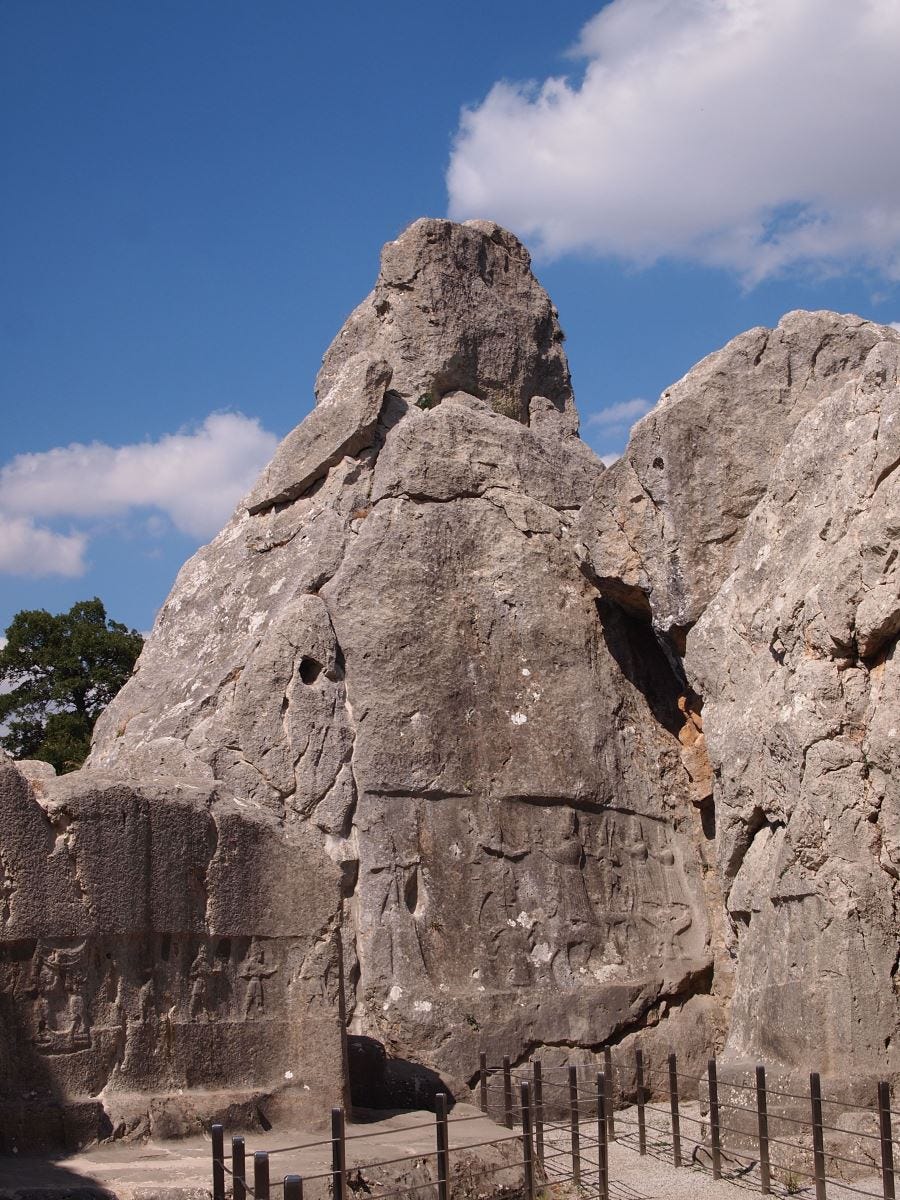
437 688
456 308
158 968
759 507
666 527
398 649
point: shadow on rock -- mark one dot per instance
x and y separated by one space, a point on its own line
380 1082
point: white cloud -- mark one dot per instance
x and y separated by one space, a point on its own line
895 325
619 416
609 459
749 134
29 549
195 478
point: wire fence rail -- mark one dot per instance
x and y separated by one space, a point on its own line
260 1185
579 1118
748 1124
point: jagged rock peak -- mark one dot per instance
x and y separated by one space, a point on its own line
665 527
457 308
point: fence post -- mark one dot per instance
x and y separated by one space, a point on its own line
715 1133
887 1145
338 1155
603 1102
527 1145
673 1104
642 1123
261 1175
218 1161
610 1092
443 1146
573 1124
538 1109
238 1169
507 1093
818 1136
762 1124
293 1187
483 1081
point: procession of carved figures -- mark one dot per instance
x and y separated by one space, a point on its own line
79 987
575 894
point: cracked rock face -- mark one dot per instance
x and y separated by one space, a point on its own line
393 646
158 969
416 747
756 515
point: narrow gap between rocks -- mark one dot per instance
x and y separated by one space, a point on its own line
642 659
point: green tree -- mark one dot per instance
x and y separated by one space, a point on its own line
61 672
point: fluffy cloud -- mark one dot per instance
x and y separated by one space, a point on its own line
754 135
194 478
620 416
29 549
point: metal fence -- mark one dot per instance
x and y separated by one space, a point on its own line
552 1117
261 1186
742 1125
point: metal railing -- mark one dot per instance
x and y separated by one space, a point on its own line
292 1184
552 1118
775 1156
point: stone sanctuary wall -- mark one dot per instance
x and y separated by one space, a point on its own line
158 965
532 754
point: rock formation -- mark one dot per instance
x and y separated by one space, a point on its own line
158 967
532 754
754 518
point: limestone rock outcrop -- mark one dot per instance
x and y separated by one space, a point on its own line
158 968
454 740
393 644
755 517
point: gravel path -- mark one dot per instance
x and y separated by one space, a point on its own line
653 1177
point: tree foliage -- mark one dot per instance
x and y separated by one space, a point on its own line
61 671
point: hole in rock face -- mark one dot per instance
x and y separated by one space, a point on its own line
636 648
411 890
708 819
658 463
379 1081
310 670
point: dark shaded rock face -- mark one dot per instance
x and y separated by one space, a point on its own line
155 953
434 693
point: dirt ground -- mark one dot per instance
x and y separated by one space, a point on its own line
653 1177
181 1170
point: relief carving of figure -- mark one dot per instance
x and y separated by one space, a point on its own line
255 969
202 973
60 1009
46 982
7 887
79 1033
392 880
147 1000
568 853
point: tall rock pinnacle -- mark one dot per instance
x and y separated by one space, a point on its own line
394 644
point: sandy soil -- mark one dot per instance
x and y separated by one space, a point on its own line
653 1176
181 1170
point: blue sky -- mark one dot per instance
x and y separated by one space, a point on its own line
196 193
